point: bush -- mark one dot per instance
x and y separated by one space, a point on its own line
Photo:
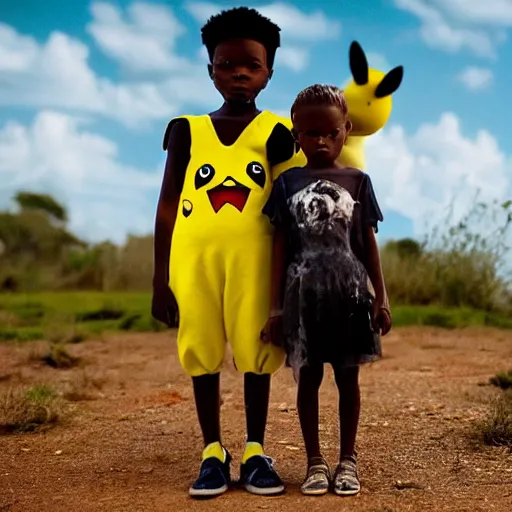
496 428
502 380
458 265
463 265
26 410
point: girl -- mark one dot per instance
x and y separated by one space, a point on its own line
325 250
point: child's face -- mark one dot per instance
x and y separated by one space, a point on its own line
240 70
321 132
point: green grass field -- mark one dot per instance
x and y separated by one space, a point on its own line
74 316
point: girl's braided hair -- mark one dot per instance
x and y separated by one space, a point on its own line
320 94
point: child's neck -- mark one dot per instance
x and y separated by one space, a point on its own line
238 109
324 165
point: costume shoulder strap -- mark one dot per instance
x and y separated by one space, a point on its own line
198 125
296 157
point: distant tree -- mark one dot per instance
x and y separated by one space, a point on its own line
42 202
405 248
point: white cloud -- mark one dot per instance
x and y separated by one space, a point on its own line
57 155
492 12
297 27
142 40
57 74
476 79
378 61
294 23
294 58
418 175
455 25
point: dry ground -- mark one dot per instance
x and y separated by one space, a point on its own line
134 444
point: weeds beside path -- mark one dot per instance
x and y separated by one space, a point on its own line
133 443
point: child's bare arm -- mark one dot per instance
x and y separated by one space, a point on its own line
177 144
373 267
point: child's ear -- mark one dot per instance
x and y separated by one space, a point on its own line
296 140
348 129
210 71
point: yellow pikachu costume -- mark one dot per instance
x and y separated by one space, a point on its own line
369 100
221 249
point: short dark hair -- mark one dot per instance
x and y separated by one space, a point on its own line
241 23
320 94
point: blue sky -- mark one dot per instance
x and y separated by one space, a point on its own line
86 90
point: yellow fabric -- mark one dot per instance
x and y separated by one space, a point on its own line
352 154
251 450
214 450
220 263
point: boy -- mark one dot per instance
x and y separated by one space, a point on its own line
218 176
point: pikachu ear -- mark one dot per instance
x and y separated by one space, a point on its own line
390 83
358 64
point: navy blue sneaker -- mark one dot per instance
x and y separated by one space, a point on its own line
258 476
214 478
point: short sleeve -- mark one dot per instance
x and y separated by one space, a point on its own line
371 212
276 208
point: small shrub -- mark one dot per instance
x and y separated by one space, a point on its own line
61 329
502 380
496 428
28 410
58 357
84 386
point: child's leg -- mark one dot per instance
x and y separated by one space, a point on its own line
257 394
347 381
246 310
310 380
346 480
318 476
207 398
197 285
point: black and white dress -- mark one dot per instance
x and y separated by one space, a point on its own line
327 304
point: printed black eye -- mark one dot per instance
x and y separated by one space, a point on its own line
204 175
256 172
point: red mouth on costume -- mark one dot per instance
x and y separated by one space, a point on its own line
229 192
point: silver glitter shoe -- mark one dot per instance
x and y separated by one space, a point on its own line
318 479
346 480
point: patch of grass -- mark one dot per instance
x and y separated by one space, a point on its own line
58 357
502 380
30 409
84 386
21 334
448 318
70 317
496 428
139 322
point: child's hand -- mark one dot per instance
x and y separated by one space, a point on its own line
381 318
272 332
164 306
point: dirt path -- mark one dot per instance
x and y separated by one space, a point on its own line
134 445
